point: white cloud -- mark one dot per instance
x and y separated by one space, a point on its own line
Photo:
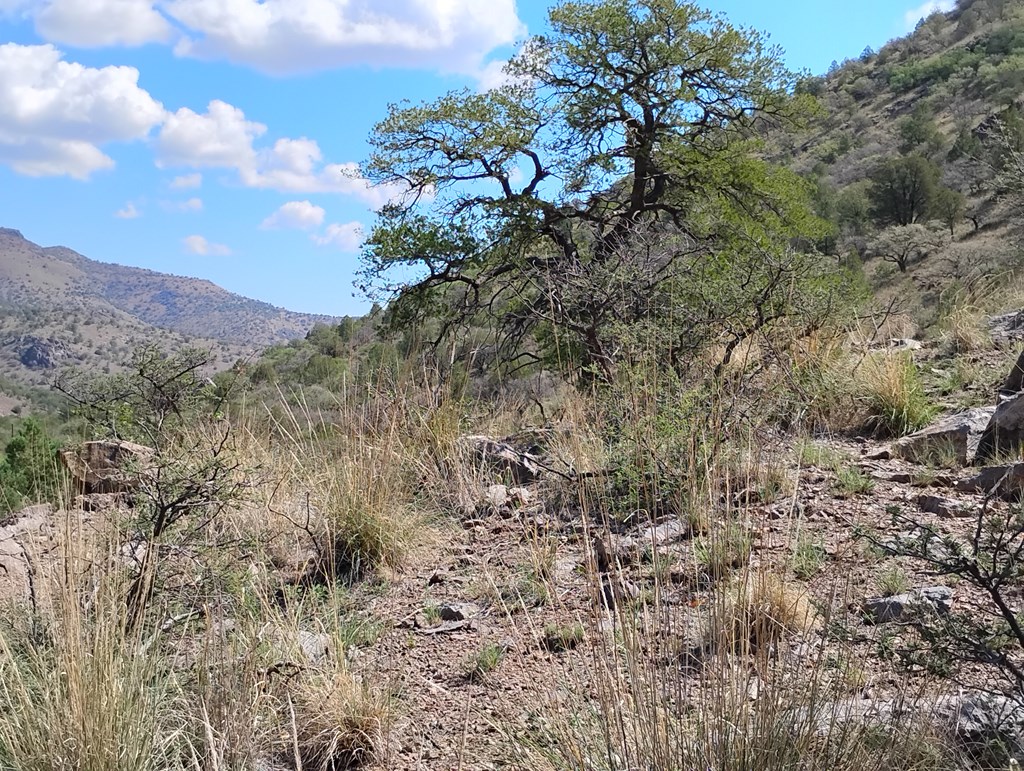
347 237
199 245
187 181
926 9
282 37
129 212
94 23
220 138
190 205
297 215
223 137
289 36
56 114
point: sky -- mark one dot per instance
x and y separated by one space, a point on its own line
221 138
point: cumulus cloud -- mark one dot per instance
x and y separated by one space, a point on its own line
187 181
95 23
223 137
199 245
129 212
283 37
347 237
296 215
57 114
926 9
287 36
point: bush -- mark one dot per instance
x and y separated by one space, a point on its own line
893 395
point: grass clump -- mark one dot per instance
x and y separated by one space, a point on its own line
892 580
723 550
850 480
894 398
757 611
482 663
559 637
339 722
809 556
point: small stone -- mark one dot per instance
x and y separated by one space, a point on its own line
943 507
315 647
459 611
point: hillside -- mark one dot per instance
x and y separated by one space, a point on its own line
59 308
941 107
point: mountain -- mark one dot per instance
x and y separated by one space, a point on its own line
60 308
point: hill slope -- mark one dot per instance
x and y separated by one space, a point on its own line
59 308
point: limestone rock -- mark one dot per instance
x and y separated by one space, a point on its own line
1005 431
105 467
503 459
881 610
954 437
1006 482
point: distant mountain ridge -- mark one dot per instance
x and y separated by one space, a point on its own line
191 306
58 307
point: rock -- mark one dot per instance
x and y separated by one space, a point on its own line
905 344
1005 431
459 611
316 647
1014 382
1008 326
502 458
881 610
1005 482
43 354
882 453
954 437
944 507
496 497
989 726
106 467
18 539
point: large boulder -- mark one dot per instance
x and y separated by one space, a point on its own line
107 466
43 354
954 438
1005 431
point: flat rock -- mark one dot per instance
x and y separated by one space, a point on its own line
944 507
459 611
881 610
954 437
1005 482
502 458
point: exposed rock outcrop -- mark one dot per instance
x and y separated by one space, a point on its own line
105 467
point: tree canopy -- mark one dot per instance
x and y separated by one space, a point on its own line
612 180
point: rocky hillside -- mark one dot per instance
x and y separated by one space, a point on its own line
59 308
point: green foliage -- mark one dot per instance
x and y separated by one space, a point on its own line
631 214
903 189
30 471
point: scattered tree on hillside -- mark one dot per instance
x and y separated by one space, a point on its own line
633 123
949 207
903 189
904 244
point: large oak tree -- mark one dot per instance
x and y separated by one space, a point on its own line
612 184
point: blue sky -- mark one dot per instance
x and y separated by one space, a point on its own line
219 138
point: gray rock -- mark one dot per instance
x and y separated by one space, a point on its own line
881 610
954 437
1008 326
1005 431
1014 382
944 507
44 354
502 458
1005 482
315 647
989 726
459 611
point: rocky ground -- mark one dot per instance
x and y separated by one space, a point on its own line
491 636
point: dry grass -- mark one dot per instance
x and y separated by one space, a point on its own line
338 721
757 611
893 398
